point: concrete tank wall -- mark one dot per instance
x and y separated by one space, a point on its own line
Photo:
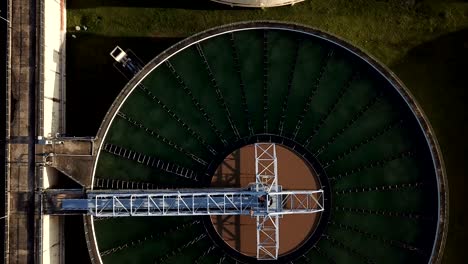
54 66
258 3
53 119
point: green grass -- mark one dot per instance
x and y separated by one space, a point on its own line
424 43
386 28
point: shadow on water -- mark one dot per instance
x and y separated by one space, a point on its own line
92 85
437 74
185 4
75 242
92 80
228 174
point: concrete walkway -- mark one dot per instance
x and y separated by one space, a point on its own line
258 3
22 217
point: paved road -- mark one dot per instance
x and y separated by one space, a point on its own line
3 81
22 181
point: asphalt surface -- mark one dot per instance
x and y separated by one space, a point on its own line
3 80
22 171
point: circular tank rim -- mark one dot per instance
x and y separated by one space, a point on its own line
436 154
255 4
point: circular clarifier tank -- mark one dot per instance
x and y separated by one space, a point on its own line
341 122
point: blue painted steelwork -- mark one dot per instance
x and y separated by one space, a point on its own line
196 202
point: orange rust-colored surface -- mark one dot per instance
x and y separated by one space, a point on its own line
238 170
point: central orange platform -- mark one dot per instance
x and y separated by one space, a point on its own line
238 170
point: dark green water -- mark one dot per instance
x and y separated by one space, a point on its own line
384 196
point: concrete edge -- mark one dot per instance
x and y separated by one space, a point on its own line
40 50
91 240
7 133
